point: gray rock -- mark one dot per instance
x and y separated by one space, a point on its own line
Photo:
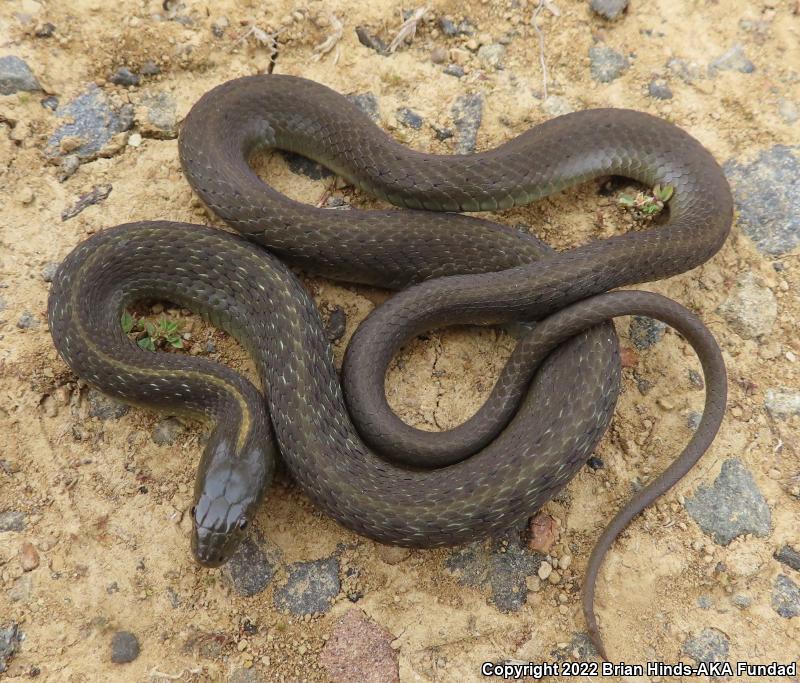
693 420
767 195
167 431
704 602
104 407
786 597
124 647
157 116
659 89
750 309
788 111
124 76
251 568
310 587
45 30
50 102
219 25
12 520
732 60
10 640
16 76
789 556
732 506
491 56
21 590
782 403
409 117
501 566
454 70
742 601
93 120
467 117
368 103
646 332
606 64
27 321
710 645
609 9
49 271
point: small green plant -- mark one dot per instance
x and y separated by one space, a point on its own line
150 335
648 204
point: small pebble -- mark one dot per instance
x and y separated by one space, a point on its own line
125 77
124 647
554 577
439 55
28 557
135 140
545 569
659 90
609 9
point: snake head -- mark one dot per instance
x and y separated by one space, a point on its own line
229 486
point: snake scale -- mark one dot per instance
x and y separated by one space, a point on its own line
551 403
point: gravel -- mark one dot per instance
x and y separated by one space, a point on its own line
10 640
788 111
732 506
48 272
455 70
450 28
91 120
360 650
609 9
767 196
750 309
367 39
710 645
409 117
336 325
167 431
491 56
732 60
104 407
646 332
124 647
786 597
606 64
502 566
156 116
310 588
789 556
659 89
27 321
251 568
124 76
12 520
467 118
782 403
16 76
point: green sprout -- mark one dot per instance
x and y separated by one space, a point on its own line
150 335
648 204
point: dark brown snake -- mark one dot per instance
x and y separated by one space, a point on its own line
552 402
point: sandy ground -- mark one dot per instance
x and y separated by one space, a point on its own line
102 505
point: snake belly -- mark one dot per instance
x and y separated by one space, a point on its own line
553 401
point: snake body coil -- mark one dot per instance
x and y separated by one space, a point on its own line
552 402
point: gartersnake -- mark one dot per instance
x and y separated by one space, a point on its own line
530 438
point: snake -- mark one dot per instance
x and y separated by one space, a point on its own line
341 442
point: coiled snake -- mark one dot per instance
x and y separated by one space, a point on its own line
552 402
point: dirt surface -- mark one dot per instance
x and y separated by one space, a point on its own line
95 537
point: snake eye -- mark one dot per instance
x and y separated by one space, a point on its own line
243 523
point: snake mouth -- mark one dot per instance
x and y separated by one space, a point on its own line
210 548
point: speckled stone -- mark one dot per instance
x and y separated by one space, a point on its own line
732 506
310 587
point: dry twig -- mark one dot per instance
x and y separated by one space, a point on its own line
331 41
408 29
